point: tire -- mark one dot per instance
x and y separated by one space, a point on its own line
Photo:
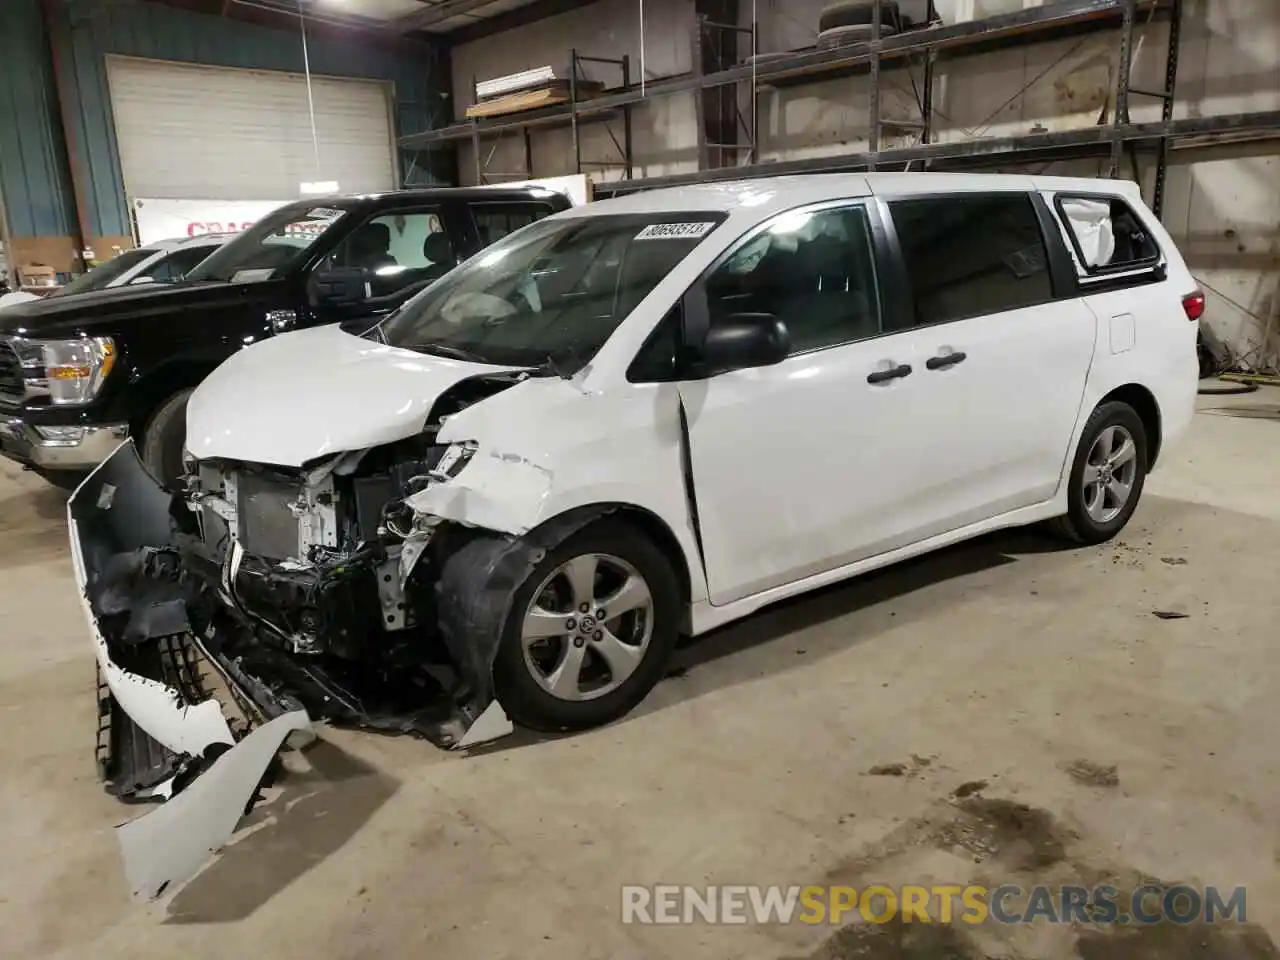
525 699
843 36
857 13
163 439
1079 524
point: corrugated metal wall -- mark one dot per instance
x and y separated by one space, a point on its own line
33 161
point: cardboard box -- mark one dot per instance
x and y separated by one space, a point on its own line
37 275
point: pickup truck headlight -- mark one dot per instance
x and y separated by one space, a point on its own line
74 370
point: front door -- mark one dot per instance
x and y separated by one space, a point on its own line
788 461
400 252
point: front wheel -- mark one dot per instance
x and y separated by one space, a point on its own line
163 440
1107 475
590 630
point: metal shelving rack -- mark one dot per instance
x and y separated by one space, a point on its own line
874 57
573 115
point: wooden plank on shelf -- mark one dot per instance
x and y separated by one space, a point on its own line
552 95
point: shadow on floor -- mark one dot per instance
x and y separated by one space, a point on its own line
315 814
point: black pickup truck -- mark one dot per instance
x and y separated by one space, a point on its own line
80 373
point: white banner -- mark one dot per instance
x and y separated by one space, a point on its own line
575 186
175 219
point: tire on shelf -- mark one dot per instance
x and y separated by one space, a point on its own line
856 13
844 36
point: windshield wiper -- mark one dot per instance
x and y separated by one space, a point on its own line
448 350
563 363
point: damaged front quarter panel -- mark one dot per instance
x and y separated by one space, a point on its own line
497 491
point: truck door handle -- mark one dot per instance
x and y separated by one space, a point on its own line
893 373
941 363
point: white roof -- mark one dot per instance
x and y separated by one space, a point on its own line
767 195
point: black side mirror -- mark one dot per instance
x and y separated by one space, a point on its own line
744 340
339 287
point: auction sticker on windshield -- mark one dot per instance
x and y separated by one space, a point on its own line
675 231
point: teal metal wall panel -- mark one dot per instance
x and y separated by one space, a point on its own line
89 31
33 163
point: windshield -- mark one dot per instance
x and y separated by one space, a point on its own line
103 274
270 247
551 293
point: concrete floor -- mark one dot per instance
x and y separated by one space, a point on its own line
1004 660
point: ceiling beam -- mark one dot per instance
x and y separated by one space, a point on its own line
513 19
436 12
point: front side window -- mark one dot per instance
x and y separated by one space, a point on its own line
271 247
101 276
551 294
970 255
813 270
1106 234
398 250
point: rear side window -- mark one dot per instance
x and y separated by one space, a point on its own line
1105 234
969 255
495 220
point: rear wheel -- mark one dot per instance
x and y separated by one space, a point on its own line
1107 475
590 630
163 440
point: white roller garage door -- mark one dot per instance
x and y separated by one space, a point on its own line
217 133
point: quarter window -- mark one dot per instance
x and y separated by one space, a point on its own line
972 255
1106 234
813 270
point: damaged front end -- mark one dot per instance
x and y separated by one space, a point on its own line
264 591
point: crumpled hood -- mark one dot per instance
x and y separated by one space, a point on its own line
294 398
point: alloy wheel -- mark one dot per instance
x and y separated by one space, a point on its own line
588 627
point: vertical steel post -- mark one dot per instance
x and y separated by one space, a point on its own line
573 110
1170 91
626 119
1122 85
873 106
699 95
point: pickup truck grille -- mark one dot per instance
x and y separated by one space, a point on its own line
12 387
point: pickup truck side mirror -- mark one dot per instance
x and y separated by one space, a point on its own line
339 287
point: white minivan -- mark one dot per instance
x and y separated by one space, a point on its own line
637 419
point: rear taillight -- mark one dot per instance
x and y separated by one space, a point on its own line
1193 304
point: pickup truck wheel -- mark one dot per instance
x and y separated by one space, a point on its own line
163 439
589 631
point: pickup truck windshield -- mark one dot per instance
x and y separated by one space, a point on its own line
103 274
270 247
551 293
